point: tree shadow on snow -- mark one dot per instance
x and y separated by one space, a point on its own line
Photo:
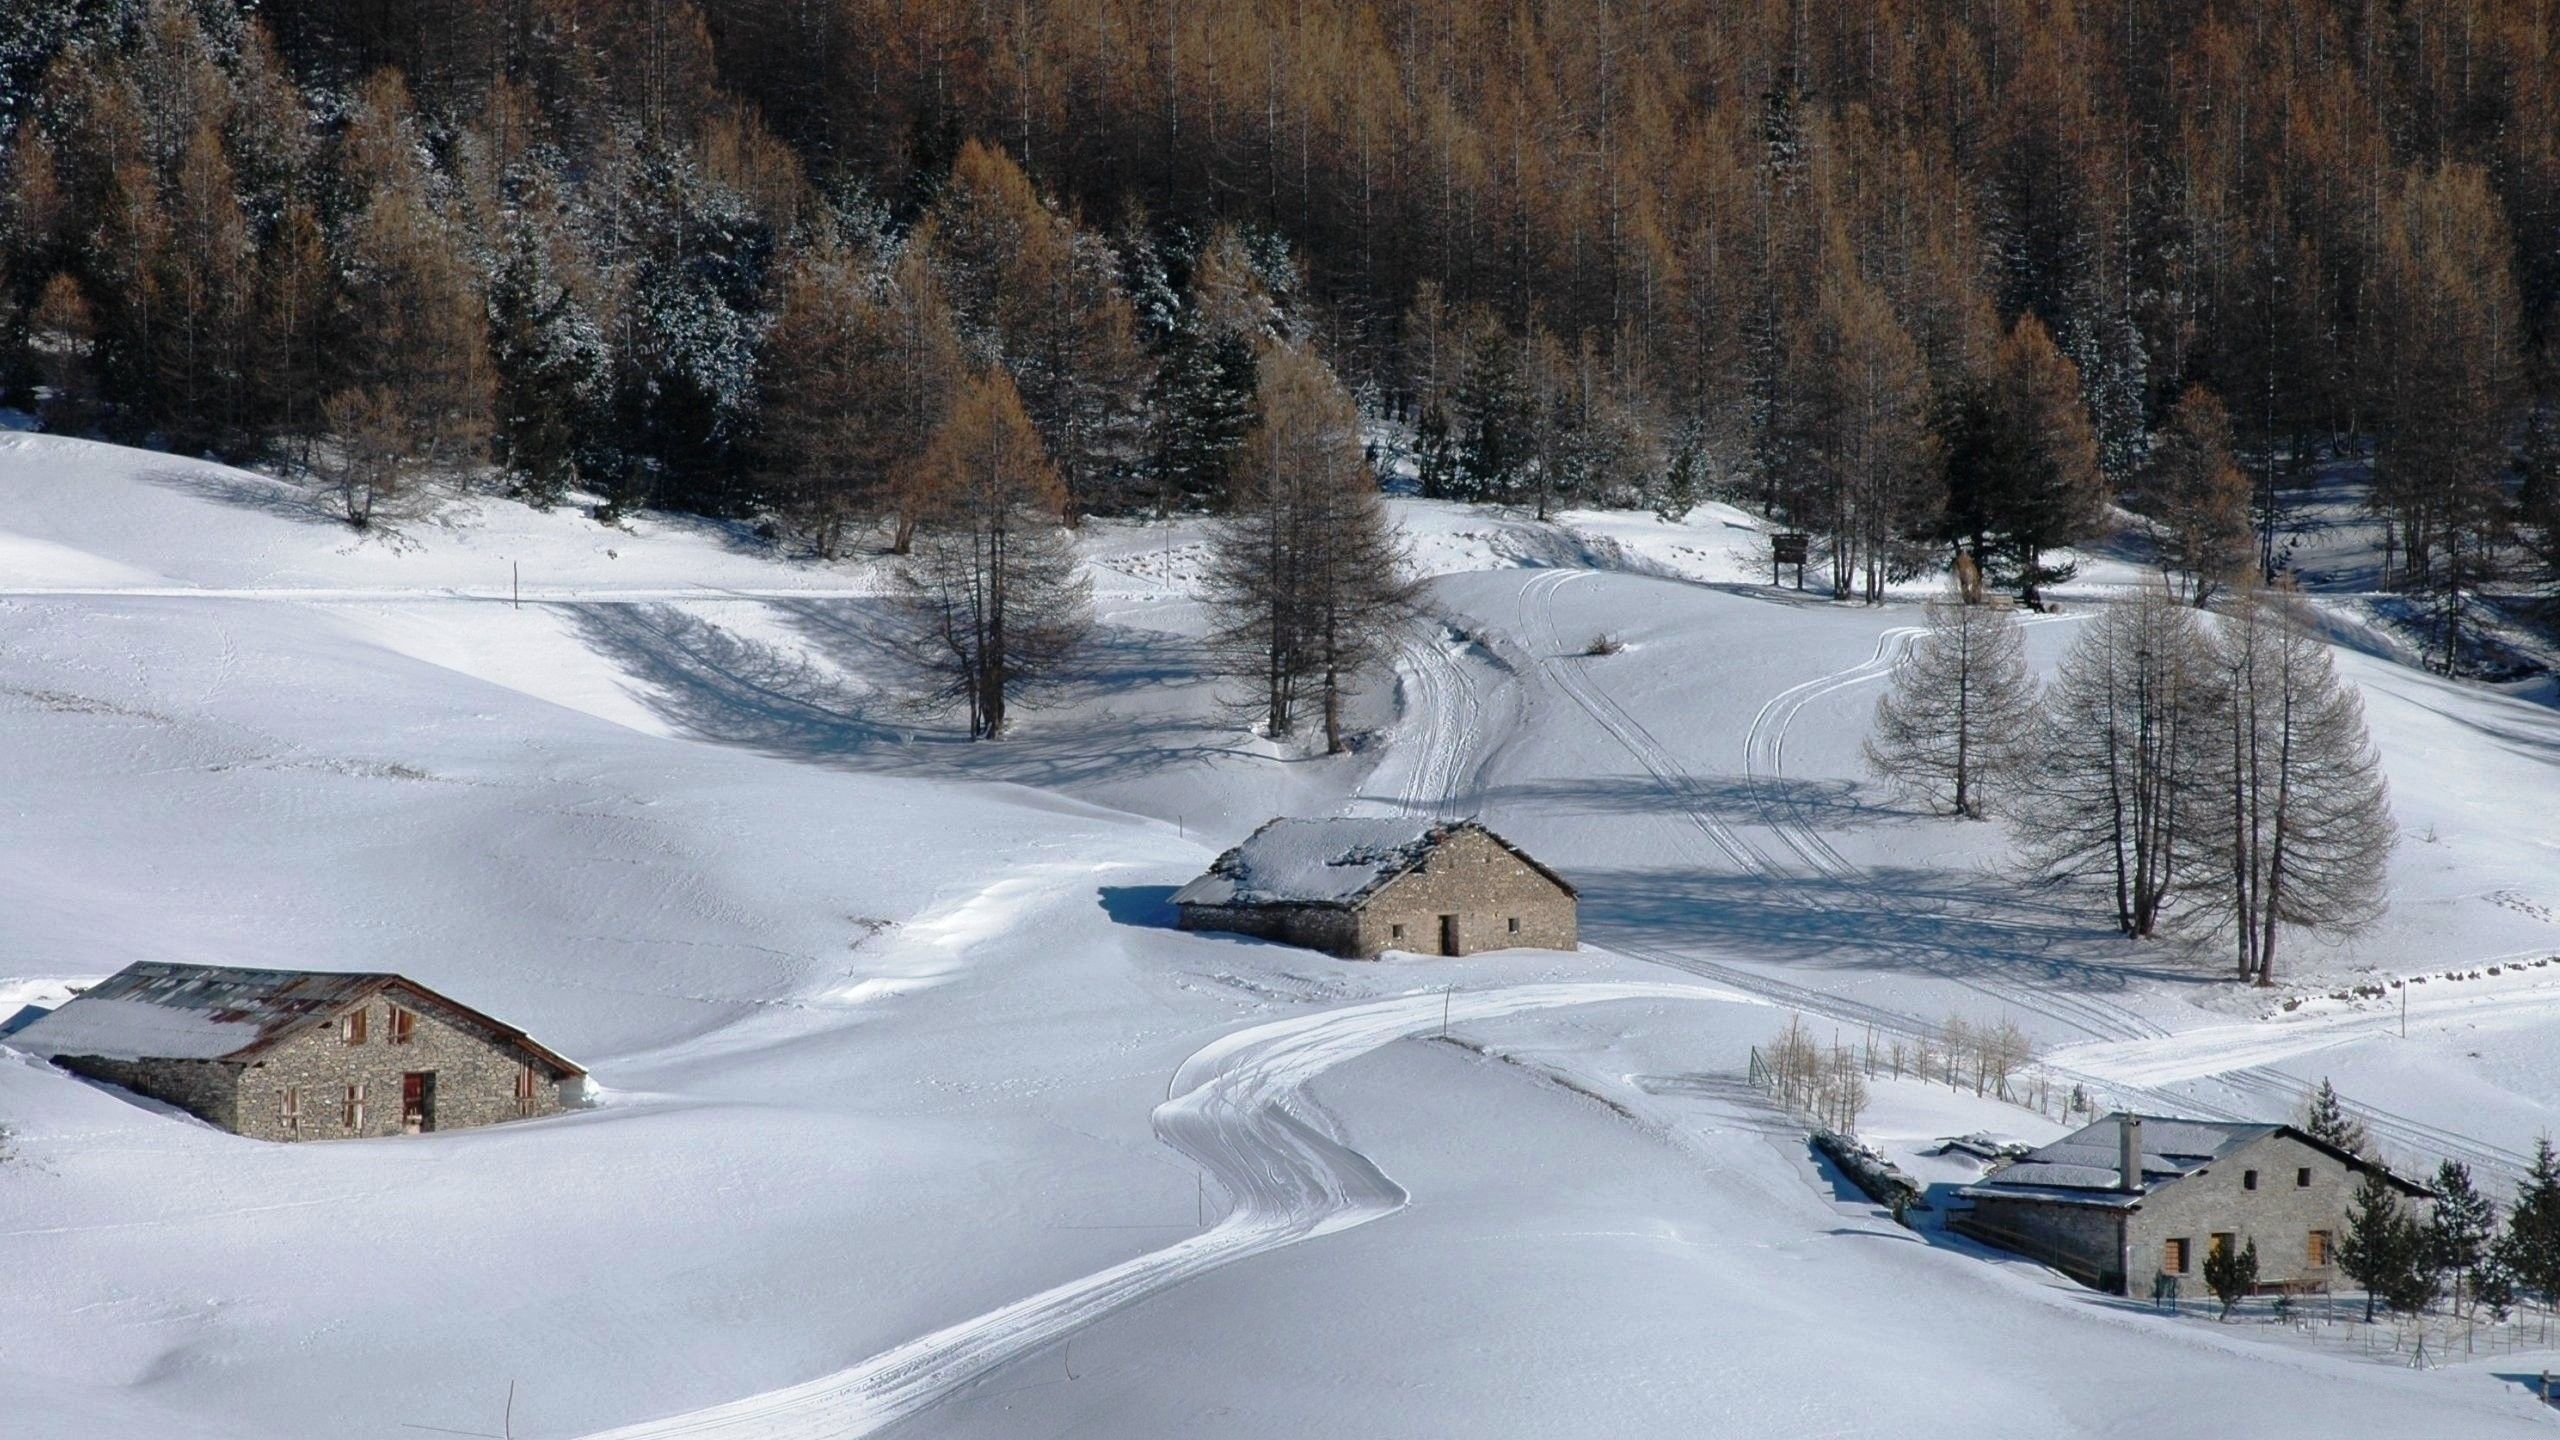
241 490
1828 805
1951 925
841 695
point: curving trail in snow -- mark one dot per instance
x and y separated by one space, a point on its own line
1237 1109
1428 772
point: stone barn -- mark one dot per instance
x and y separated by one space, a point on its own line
2132 1204
1357 887
302 1054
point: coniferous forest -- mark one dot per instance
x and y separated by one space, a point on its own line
1907 274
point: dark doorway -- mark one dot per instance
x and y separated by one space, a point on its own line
1448 934
418 1102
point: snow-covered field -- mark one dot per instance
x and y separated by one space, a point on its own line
915 1112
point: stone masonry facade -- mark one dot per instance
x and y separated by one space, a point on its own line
1469 894
1497 900
316 1085
2276 1191
2298 1190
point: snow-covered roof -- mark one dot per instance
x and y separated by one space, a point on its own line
1326 861
2085 1166
2090 1158
155 1011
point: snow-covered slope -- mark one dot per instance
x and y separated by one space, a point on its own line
914 1108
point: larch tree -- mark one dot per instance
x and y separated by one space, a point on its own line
861 359
2022 462
2195 501
994 589
1878 455
2290 808
2450 391
414 372
2114 753
1960 705
1305 570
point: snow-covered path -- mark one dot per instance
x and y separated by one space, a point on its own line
1237 1110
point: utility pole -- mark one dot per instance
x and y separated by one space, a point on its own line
2404 1009
515 572
1445 992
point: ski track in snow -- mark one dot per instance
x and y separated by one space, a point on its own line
2265 1091
1236 1108
1537 609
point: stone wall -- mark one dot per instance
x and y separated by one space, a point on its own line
206 1089
2081 1241
1329 928
1501 903
474 1071
2279 1214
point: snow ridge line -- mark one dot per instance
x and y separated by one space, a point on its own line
1236 1108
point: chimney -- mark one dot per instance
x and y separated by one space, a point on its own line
2129 1153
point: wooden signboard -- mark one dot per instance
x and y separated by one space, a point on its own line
1789 548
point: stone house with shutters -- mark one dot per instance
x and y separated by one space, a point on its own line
303 1054
2132 1204
1357 887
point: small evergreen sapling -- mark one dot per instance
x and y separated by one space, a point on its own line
2325 1118
2380 1245
2231 1272
2459 1231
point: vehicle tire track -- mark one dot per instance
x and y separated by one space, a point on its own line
1237 1108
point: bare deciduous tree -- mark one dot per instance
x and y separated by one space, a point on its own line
1960 703
2304 826
2113 756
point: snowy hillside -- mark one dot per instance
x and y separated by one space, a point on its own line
914 1109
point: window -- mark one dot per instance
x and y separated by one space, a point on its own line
2173 1256
1395 932
351 1027
403 1027
528 1090
289 1109
2248 1179
2316 1254
1515 924
2302 1178
353 1111
2224 1242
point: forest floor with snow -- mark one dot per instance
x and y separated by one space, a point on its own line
916 1114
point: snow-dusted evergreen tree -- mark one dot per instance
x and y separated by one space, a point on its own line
995 593
1493 418
2460 1225
2290 809
1960 704
2533 1226
1306 573
2325 1118
2384 1247
549 355
2102 808
2022 462
685 345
